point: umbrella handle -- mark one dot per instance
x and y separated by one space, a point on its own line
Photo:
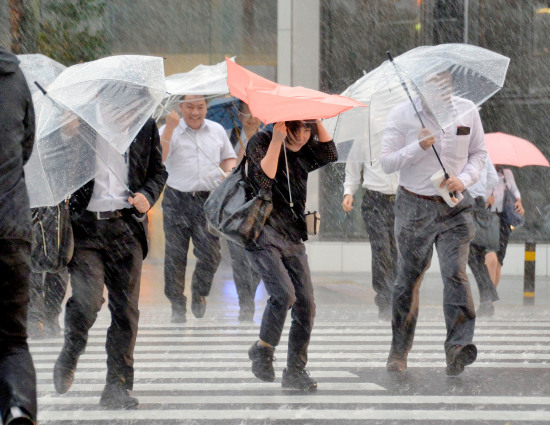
42 89
139 217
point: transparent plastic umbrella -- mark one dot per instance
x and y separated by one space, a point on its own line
203 80
476 74
37 67
91 112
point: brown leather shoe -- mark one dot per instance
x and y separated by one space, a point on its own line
459 356
396 362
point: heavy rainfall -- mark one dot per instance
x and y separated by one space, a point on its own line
274 212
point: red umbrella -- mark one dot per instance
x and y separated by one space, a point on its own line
272 102
505 149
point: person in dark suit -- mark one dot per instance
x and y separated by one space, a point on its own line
110 246
17 375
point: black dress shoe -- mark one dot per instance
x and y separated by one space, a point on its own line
115 396
17 416
178 315
262 362
52 328
396 362
298 379
198 305
459 356
63 371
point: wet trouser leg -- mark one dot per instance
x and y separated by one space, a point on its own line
378 215
476 261
177 235
207 251
245 276
420 223
17 374
284 269
36 298
112 257
55 288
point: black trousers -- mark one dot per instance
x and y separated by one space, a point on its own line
47 291
107 253
184 220
245 276
284 269
378 214
17 375
476 261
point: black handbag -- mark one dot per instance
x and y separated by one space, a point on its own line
487 226
509 214
234 211
52 238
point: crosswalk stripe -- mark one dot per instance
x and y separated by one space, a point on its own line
157 374
265 387
237 359
307 399
292 414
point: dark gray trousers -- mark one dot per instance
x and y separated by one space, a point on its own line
17 375
476 261
284 269
419 224
184 220
377 211
47 291
245 276
106 253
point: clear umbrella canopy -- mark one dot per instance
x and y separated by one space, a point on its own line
91 112
40 68
203 80
430 75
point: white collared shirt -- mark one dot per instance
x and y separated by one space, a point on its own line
111 179
373 178
498 190
462 156
487 181
189 169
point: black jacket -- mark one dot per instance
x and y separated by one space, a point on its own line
288 221
146 175
16 142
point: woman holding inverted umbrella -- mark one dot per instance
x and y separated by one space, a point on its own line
280 161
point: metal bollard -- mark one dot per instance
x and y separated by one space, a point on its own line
529 274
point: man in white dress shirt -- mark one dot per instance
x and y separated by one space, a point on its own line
195 151
377 212
423 218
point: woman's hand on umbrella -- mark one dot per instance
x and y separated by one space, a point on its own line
172 120
454 184
279 132
519 207
347 203
140 202
426 139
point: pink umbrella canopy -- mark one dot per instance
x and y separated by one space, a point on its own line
272 102
505 149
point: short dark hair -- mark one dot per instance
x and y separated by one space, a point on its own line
293 127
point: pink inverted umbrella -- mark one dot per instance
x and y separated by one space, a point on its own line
505 149
272 102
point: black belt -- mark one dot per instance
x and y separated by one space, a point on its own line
389 198
434 198
106 215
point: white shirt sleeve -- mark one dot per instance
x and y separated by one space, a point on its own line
227 150
394 153
477 154
492 178
511 182
353 177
